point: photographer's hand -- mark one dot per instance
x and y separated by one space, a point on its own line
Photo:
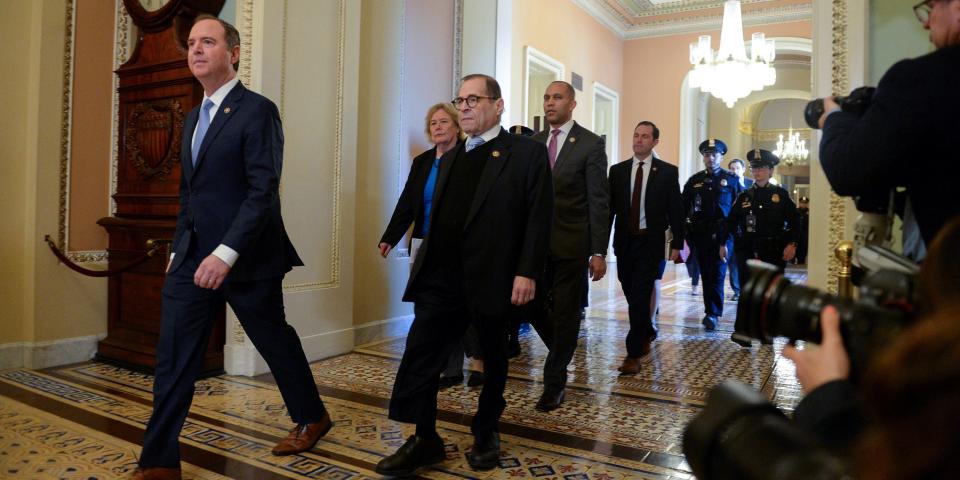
829 105
789 252
817 365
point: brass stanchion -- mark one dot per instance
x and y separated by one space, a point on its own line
844 253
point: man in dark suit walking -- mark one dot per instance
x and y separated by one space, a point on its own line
230 245
644 202
487 242
578 240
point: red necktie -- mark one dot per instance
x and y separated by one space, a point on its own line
552 147
634 223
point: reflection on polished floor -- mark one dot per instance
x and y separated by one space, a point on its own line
84 421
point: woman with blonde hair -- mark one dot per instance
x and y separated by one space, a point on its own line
414 206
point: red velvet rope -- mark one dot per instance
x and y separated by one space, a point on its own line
155 246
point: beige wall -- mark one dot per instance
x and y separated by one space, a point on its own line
568 34
15 29
406 66
90 127
655 69
44 300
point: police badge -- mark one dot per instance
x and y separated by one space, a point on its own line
775 198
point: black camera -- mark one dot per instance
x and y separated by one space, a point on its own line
739 435
857 102
770 306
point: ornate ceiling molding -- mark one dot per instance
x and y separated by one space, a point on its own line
647 24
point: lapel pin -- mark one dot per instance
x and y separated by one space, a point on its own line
226 110
496 154
654 169
572 139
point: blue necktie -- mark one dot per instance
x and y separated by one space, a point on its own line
202 126
474 142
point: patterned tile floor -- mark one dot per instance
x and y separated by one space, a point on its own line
84 421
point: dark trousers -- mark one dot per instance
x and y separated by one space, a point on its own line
693 268
187 320
469 346
558 320
746 252
733 267
638 266
441 318
712 272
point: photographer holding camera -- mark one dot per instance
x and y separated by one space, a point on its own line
881 374
911 120
832 409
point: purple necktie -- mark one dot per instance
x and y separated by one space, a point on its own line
552 147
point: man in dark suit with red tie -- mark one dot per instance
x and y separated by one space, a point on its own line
230 245
644 201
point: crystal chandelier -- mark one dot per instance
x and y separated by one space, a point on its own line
728 74
793 150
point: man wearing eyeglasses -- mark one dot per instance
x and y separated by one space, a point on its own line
486 244
912 121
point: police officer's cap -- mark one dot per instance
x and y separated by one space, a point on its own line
521 130
759 158
713 145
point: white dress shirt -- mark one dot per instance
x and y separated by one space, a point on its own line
643 192
489 134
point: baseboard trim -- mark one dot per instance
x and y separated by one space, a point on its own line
49 353
245 360
382 329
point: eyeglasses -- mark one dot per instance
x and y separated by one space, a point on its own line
471 101
922 10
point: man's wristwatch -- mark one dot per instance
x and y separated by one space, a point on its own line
601 255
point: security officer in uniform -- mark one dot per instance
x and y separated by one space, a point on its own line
803 229
708 196
763 224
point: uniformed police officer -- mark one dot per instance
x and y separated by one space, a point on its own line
708 196
762 222
803 229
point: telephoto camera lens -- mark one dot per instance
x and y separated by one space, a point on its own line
740 435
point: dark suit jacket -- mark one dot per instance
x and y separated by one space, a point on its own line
232 195
410 204
581 205
906 138
662 203
507 230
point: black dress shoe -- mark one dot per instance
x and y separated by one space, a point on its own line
475 379
709 323
485 454
742 340
447 382
416 453
550 400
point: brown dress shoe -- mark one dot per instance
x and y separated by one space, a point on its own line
630 366
156 473
304 436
